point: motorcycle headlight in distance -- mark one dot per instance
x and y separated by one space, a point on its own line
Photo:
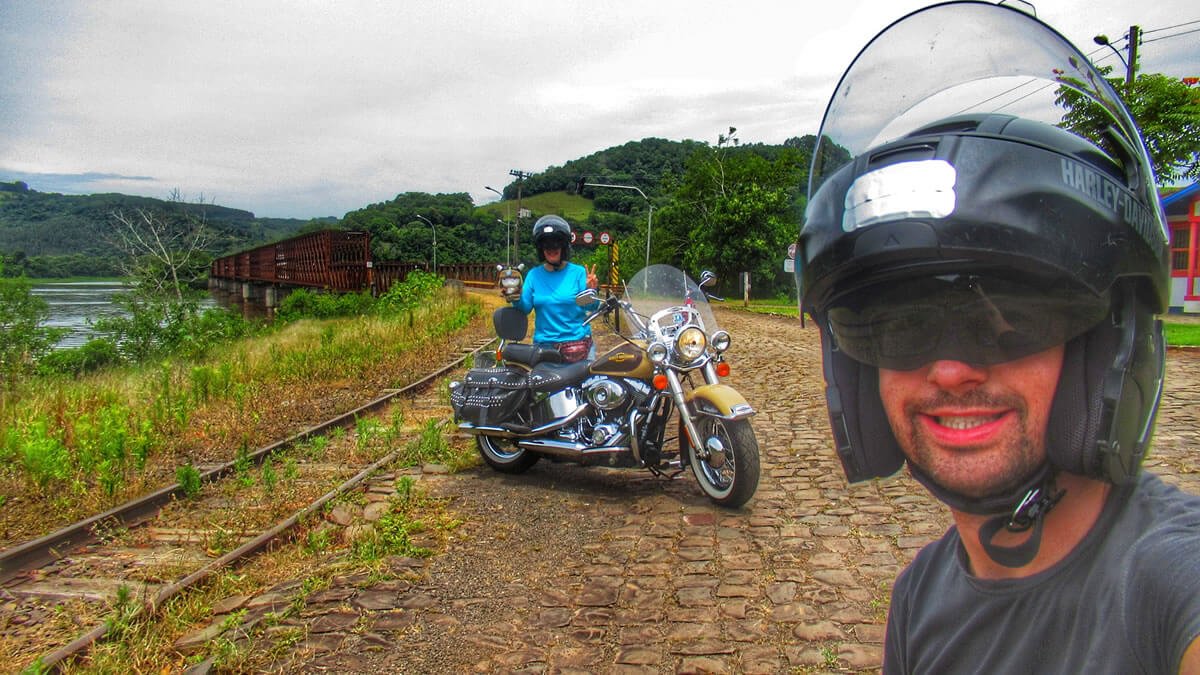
657 352
691 343
720 340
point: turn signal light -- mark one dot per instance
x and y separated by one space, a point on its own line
723 369
660 382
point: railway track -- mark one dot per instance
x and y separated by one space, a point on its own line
61 589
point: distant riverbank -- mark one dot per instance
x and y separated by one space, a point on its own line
76 304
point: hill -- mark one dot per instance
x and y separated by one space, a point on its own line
48 234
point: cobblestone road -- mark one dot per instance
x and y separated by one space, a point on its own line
566 569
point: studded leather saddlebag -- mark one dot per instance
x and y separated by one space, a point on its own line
490 396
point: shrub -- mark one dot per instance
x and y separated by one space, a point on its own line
409 294
95 354
302 303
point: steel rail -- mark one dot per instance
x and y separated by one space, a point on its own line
78 533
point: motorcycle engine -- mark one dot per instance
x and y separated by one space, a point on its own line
604 393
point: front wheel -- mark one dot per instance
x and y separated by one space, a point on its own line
727 464
504 456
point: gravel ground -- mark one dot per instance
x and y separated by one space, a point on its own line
567 569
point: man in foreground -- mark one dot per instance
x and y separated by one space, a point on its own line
986 286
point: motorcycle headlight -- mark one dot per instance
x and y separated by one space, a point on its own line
691 343
721 340
657 352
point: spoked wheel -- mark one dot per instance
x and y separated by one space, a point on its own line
504 456
727 464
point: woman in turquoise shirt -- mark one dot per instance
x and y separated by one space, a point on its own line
557 290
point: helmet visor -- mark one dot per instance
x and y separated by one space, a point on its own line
975 319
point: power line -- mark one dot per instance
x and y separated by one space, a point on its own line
1174 35
1178 25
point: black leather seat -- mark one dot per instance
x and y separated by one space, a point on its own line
550 377
530 355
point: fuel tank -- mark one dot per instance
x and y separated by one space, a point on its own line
625 360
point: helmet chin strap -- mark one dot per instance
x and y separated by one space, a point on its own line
1030 513
1033 499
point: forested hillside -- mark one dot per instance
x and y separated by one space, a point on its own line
45 234
731 207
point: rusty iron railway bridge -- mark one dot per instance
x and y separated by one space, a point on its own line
330 260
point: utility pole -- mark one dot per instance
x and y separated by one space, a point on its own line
1135 36
521 176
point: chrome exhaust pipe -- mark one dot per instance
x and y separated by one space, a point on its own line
569 450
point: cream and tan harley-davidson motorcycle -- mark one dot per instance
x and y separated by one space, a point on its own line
616 410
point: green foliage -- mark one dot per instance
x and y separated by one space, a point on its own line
153 326
95 354
23 340
1167 111
317 541
305 304
405 296
391 536
242 464
188 478
102 446
211 382
268 477
54 235
43 454
734 210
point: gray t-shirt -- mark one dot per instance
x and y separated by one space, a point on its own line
1126 600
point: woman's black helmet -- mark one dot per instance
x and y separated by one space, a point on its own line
554 231
950 216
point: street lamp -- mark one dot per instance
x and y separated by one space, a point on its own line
649 216
507 224
1130 65
507 240
434 241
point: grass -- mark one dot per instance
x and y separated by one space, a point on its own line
69 447
1182 334
574 208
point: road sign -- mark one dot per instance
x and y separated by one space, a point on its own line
587 237
792 251
572 236
605 238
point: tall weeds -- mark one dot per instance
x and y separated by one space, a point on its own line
95 436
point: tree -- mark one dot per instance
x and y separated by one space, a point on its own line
23 339
1166 110
734 210
164 255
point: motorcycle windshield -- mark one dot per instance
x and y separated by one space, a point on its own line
964 58
658 287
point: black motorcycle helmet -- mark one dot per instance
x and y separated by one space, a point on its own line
552 230
984 237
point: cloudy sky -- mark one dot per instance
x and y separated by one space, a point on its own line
304 109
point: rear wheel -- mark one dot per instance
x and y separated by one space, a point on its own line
503 455
727 463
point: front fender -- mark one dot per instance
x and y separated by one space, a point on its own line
719 400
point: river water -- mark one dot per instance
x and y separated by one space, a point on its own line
76 305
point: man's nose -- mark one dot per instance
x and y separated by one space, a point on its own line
955 376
